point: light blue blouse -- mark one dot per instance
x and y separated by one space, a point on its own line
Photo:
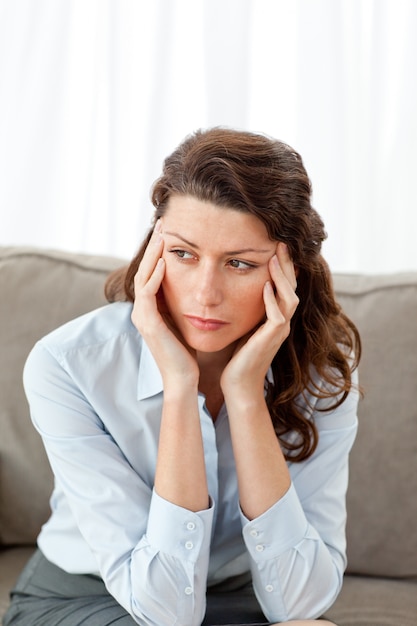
95 395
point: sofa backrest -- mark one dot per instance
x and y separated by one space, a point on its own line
42 289
382 496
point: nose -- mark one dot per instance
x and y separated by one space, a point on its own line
208 286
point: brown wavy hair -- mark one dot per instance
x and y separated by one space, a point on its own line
256 174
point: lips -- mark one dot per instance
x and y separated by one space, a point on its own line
206 323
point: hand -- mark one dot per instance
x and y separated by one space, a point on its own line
176 362
246 371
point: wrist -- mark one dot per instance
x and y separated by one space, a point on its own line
248 381
180 389
244 400
243 391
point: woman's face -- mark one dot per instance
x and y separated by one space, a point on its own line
216 267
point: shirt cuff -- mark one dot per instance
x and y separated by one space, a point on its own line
178 531
280 528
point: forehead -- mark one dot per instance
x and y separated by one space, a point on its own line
203 222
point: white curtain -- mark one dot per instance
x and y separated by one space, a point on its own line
95 93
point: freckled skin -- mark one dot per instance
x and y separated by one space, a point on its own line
206 281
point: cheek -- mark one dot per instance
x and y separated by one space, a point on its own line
174 272
250 300
172 289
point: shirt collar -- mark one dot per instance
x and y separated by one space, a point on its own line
150 379
149 376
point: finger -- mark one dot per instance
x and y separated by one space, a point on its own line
286 298
282 266
153 284
150 258
145 313
272 309
278 319
287 264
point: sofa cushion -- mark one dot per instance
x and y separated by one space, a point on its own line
382 502
375 602
40 290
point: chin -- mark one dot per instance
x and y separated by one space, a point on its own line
208 344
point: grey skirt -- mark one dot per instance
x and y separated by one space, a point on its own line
46 595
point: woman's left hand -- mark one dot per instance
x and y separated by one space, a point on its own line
253 355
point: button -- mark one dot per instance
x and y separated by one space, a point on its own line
189 545
269 588
188 591
259 547
190 526
254 533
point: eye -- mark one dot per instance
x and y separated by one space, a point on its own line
181 254
241 265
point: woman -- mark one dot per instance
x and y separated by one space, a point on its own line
199 426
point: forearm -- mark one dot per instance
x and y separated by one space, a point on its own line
180 473
173 556
298 547
294 573
263 476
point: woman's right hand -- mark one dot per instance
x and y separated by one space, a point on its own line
176 362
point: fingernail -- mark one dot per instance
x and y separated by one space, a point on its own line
157 232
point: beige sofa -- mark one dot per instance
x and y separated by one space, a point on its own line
41 289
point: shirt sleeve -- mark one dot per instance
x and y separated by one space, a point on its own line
151 554
298 547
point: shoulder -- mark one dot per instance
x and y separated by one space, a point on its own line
320 404
95 328
94 337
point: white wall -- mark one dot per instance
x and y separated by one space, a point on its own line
94 94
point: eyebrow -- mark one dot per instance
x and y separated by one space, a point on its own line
228 252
